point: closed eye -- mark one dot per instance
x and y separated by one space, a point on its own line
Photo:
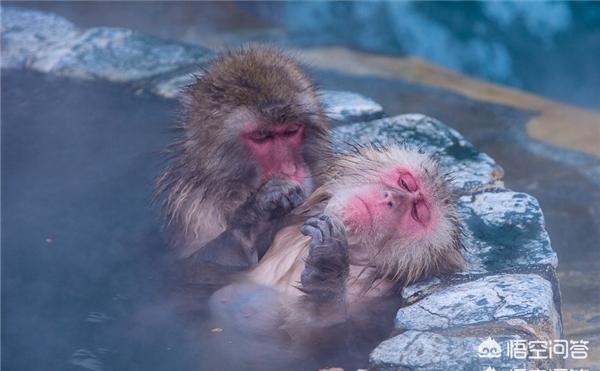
404 185
260 136
291 131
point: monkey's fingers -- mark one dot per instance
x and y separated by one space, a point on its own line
328 223
324 224
313 232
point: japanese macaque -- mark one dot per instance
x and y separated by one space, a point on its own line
254 141
385 219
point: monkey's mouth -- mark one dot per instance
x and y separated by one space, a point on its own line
360 224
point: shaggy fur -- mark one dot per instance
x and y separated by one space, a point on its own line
209 175
403 260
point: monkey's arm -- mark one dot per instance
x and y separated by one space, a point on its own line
327 265
322 315
250 232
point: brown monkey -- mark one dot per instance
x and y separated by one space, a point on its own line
254 138
384 220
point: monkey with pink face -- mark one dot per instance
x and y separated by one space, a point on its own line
385 218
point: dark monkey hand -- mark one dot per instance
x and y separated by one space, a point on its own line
327 263
274 199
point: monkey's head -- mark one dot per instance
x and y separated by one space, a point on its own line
252 116
398 213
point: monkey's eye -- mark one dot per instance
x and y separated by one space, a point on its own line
407 182
403 184
291 131
260 136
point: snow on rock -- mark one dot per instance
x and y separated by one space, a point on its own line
344 107
49 43
28 33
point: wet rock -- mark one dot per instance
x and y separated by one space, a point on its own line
117 54
504 229
470 168
49 43
492 299
344 107
429 351
28 33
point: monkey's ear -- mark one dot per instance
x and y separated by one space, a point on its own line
314 204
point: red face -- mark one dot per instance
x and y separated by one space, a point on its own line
277 150
397 203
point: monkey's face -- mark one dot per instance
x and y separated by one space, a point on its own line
396 208
276 151
396 203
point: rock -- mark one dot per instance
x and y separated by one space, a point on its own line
117 54
343 107
429 351
526 299
504 229
48 43
28 33
470 168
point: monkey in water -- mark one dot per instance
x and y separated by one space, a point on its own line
254 142
385 219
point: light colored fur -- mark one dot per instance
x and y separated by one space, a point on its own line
404 259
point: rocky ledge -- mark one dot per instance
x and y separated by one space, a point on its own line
467 321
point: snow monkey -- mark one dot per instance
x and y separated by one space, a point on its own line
385 219
254 138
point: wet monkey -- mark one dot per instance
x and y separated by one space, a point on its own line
254 141
385 219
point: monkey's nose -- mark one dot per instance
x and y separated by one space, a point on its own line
394 199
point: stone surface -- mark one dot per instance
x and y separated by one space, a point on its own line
117 54
28 33
504 229
429 351
491 299
48 43
343 107
470 168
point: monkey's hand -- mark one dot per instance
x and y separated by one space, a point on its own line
255 223
274 199
277 197
327 264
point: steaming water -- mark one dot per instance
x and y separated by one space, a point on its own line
87 281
